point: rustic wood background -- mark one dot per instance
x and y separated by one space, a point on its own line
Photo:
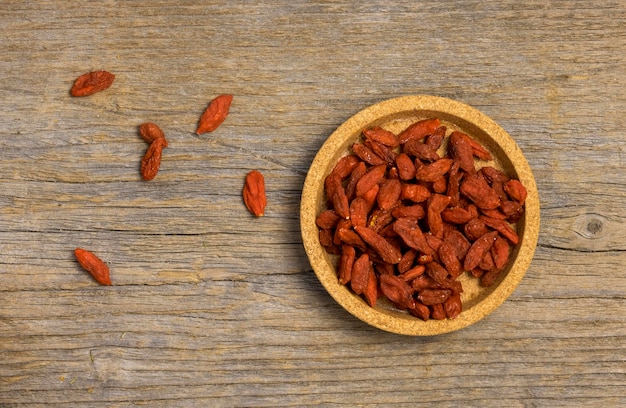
211 307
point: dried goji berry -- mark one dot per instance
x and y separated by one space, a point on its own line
437 311
452 306
349 237
498 187
326 239
512 210
406 168
437 272
516 190
367 155
419 130
215 114
360 274
412 211
420 310
414 192
150 132
435 205
474 229
408 258
397 291
431 172
358 212
389 193
460 150
345 166
431 297
454 181
458 241
435 139
342 225
327 219
92 82
387 153
371 289
492 174
447 256
386 250
370 196
412 273
477 149
481 194
502 227
348 254
382 136
370 179
340 202
355 175
456 215
500 252
423 282
478 249
420 150
331 183
254 193
152 160
412 235
94 265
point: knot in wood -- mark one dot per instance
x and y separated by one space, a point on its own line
590 226
594 227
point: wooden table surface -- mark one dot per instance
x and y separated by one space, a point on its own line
213 307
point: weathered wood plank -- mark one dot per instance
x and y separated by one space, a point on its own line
212 307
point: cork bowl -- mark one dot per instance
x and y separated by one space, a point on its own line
395 115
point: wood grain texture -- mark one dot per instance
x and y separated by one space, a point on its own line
211 307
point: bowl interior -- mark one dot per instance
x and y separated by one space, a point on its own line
395 115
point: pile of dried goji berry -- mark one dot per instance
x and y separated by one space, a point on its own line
406 221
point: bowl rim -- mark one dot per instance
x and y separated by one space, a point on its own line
387 319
